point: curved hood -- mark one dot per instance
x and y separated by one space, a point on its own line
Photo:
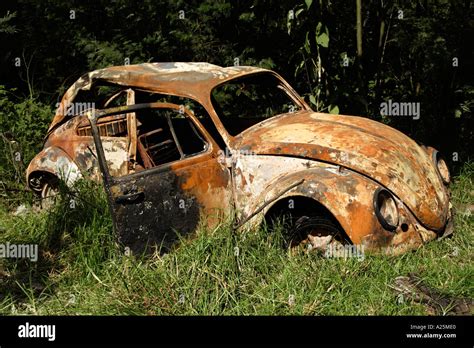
365 146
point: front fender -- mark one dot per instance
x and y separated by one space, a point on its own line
349 197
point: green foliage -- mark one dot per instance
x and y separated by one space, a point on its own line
23 125
5 27
412 52
322 35
333 109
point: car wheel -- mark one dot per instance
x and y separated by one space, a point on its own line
313 233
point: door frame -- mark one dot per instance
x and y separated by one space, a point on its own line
212 151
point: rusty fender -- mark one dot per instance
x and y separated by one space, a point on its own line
55 161
349 196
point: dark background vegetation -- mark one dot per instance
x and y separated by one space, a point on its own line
406 53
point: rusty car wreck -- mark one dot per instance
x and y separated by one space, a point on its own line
184 144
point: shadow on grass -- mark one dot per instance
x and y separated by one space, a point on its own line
76 228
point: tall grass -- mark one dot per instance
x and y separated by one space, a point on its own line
81 270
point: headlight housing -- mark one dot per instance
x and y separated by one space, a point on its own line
386 209
442 167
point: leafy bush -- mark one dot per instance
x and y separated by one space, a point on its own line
23 125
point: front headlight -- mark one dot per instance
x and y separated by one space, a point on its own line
386 209
442 167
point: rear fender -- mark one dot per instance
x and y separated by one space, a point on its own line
56 162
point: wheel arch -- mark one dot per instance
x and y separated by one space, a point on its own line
298 204
345 195
50 163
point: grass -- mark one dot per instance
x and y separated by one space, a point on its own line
82 271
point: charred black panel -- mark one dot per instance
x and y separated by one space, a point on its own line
156 218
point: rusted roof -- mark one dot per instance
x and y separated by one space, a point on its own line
192 79
158 74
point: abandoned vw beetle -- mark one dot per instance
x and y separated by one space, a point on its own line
183 144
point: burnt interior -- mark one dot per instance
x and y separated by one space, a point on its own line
165 135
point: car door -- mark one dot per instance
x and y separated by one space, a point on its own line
178 181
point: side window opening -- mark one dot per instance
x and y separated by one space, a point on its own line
197 109
115 126
164 136
107 96
157 147
112 126
154 136
103 96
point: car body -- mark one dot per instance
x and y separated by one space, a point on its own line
184 144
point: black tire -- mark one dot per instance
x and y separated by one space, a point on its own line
299 232
318 226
